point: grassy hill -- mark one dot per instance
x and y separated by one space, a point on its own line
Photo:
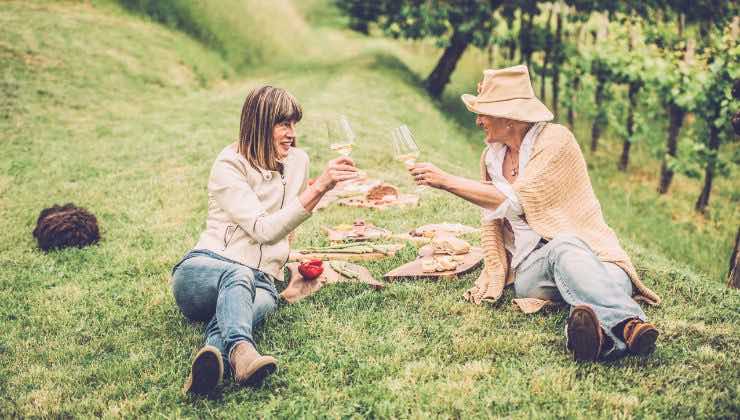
117 113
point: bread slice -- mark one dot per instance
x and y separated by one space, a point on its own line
450 245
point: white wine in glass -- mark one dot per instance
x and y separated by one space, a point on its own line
341 136
405 149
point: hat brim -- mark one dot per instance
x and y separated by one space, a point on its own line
520 109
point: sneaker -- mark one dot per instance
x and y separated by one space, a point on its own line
640 337
584 334
206 372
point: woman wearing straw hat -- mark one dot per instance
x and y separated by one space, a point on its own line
543 229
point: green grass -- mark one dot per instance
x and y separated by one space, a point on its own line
125 117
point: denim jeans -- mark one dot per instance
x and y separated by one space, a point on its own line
232 297
566 269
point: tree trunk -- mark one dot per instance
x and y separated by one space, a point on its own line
546 58
703 201
360 26
512 51
440 76
512 41
676 116
575 84
558 62
525 38
598 123
624 161
733 279
632 89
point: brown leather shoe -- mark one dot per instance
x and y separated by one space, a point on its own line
206 372
640 337
585 336
249 367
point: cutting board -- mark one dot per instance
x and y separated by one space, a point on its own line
360 201
413 269
298 288
368 256
371 233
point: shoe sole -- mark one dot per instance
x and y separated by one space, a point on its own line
644 343
206 372
584 339
259 370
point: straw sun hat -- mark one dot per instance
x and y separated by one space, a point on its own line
507 93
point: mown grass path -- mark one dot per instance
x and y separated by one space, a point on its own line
124 117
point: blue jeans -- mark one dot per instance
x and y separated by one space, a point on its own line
566 269
232 297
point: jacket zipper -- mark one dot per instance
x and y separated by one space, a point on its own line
282 202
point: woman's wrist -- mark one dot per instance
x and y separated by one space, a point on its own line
447 182
321 186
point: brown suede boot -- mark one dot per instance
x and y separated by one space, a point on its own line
640 337
249 367
206 371
585 336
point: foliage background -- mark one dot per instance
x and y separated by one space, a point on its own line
122 115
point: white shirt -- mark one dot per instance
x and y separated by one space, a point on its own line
520 240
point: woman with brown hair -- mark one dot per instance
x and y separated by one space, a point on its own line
257 195
543 230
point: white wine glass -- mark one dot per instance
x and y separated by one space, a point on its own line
341 136
405 149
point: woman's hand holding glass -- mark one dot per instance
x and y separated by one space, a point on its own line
337 170
428 174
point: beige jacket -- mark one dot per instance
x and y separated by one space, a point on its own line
252 211
556 195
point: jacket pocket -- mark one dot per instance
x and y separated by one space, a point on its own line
228 234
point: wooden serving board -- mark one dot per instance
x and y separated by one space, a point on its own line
454 229
371 233
361 201
298 288
413 269
368 256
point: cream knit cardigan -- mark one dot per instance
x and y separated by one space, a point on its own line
556 195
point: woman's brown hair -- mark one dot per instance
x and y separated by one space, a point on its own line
264 108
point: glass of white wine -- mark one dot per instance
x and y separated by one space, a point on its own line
341 136
405 149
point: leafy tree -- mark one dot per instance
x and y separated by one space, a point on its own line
531 37
716 105
575 69
628 68
674 80
360 12
676 84
557 53
602 72
455 24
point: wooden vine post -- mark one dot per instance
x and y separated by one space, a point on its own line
733 280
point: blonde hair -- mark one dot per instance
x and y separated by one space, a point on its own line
264 108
